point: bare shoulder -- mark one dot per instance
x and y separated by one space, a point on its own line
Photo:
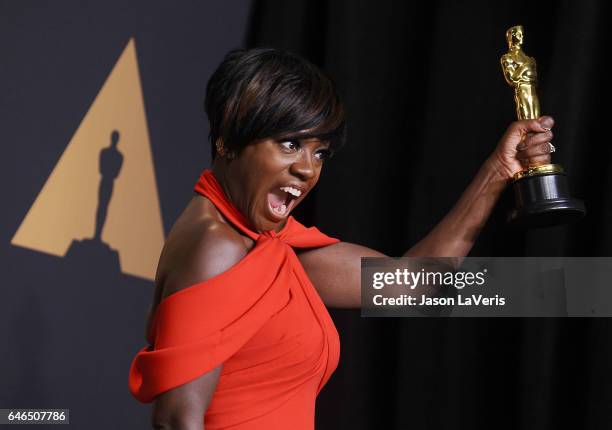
200 246
197 249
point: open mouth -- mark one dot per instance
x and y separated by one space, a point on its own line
282 200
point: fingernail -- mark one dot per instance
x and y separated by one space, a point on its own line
546 128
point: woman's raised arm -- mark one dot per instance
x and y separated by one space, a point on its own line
336 270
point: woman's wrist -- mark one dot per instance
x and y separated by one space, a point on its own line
499 171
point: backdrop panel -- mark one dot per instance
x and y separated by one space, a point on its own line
104 136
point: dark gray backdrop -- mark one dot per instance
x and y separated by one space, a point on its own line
70 329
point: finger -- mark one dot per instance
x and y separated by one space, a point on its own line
536 161
546 122
533 151
526 126
535 139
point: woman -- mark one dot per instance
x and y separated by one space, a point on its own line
239 336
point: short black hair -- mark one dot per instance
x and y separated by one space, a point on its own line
269 93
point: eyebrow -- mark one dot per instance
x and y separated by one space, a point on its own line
300 137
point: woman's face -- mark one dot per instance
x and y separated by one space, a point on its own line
267 179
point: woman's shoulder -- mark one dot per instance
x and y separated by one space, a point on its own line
200 246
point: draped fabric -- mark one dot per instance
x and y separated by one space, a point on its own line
262 319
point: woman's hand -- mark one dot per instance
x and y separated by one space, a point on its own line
526 143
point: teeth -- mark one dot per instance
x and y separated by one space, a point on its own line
293 191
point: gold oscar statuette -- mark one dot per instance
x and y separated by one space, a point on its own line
541 192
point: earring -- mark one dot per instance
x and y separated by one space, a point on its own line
220 148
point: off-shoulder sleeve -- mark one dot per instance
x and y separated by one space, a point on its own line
200 327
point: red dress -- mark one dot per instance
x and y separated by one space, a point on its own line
262 319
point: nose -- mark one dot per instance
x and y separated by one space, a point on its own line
303 167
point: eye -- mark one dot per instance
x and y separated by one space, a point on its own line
290 145
324 154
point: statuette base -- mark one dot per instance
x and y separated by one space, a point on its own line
543 200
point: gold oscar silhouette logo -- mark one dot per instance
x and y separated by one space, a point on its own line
101 200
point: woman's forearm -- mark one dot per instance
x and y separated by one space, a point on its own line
455 235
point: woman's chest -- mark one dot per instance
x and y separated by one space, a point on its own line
294 333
